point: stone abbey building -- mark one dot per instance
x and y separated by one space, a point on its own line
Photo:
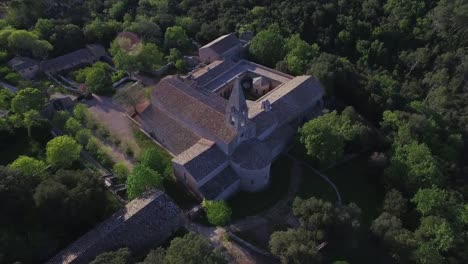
227 121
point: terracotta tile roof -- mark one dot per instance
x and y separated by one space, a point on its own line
197 109
201 159
166 130
223 43
216 186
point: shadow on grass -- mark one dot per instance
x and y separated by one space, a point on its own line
18 143
245 204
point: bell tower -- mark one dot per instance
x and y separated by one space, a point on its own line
237 112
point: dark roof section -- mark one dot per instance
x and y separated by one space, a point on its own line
252 154
205 162
143 223
68 60
223 43
166 130
20 63
82 56
202 110
211 71
219 183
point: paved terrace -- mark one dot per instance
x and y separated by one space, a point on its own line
243 67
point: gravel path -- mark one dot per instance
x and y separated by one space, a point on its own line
113 118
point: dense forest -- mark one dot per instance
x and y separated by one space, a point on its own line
402 64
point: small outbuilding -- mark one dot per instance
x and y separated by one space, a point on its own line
225 46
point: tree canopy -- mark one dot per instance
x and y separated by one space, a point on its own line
192 248
141 179
62 151
217 212
325 137
28 166
27 99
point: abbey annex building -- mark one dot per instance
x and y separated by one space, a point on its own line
228 119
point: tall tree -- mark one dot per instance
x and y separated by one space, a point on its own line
295 246
130 55
176 37
141 179
62 151
414 164
28 166
192 248
27 99
31 119
130 96
267 47
325 136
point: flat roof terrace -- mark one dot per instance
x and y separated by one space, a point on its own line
243 67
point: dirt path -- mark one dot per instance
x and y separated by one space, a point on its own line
112 117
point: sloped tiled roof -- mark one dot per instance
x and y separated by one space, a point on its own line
201 159
166 130
63 62
155 211
207 73
20 63
290 99
223 43
216 186
252 154
193 107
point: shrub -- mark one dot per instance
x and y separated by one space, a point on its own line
121 170
103 132
60 118
81 113
93 146
142 179
157 160
129 151
28 166
115 140
83 136
72 126
12 78
217 212
117 76
104 158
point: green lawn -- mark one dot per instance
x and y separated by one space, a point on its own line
356 184
314 186
244 203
